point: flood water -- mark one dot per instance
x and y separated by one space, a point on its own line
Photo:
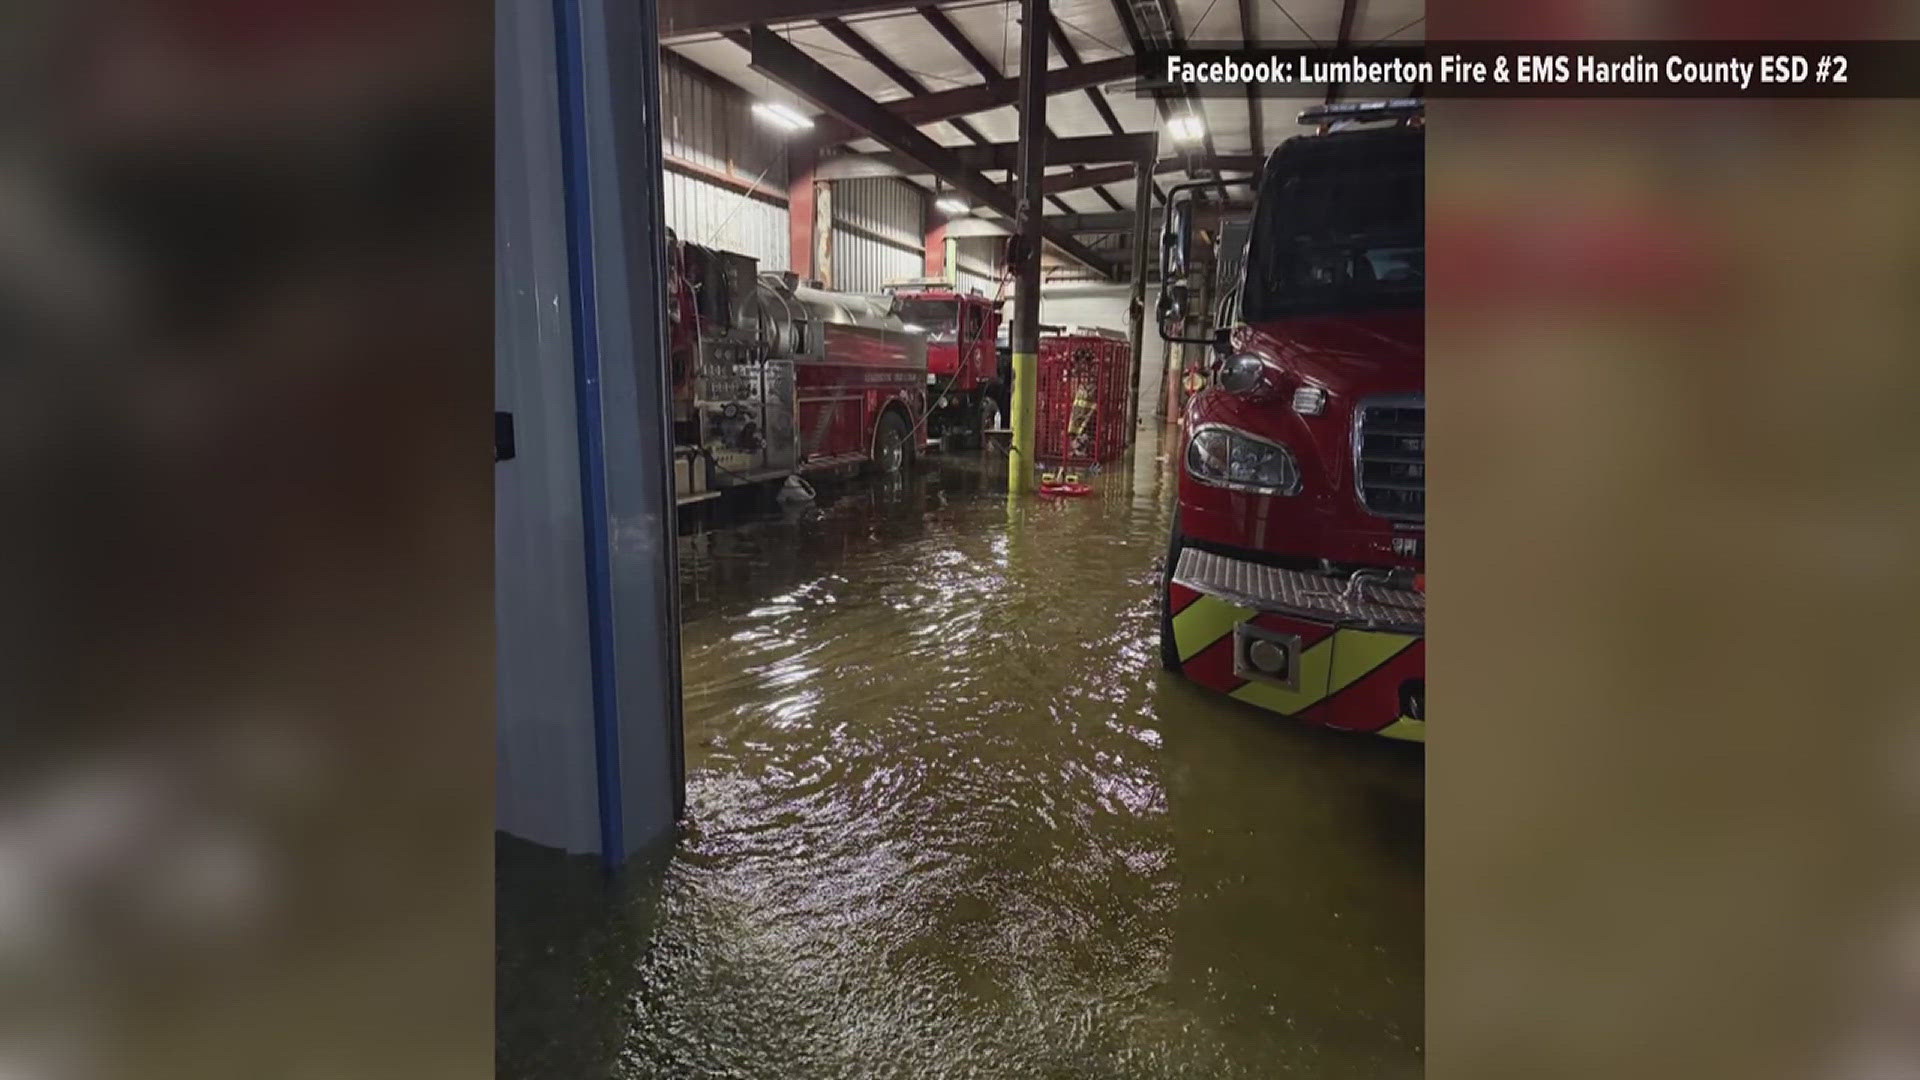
948 818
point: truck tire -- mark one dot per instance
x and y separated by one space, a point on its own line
952 439
986 415
892 444
959 430
1169 651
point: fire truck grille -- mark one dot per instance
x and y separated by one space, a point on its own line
1390 456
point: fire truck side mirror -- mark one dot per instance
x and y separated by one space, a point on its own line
1175 237
1176 241
1172 305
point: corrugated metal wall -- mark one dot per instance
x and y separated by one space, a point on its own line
864 265
888 208
713 128
710 214
981 261
883 239
879 222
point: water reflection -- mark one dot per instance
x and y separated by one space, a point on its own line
947 818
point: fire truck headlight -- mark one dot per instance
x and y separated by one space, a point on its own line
1241 373
1231 458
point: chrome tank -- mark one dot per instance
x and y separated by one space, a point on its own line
784 319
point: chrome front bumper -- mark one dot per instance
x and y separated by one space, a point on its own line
1363 605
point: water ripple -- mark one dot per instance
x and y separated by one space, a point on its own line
947 818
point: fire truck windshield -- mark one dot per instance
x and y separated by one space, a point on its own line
1339 228
936 317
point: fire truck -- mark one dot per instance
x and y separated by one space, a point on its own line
1294 577
967 387
772 377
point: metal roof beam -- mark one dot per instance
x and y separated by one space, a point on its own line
1121 221
1084 150
993 156
959 41
1179 41
905 79
785 64
972 55
981 97
1104 222
1346 39
1223 162
1254 120
1071 56
1085 178
868 51
684 18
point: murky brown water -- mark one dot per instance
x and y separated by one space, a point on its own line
947 818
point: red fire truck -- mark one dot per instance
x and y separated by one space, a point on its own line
772 377
1295 570
964 380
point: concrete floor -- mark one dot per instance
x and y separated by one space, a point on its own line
948 818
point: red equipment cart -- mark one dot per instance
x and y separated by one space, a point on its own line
1082 409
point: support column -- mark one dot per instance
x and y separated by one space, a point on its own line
952 245
938 257
822 232
801 162
1143 240
1026 301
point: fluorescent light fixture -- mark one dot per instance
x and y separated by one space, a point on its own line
952 204
1186 128
781 116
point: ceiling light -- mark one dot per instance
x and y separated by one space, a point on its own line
952 204
781 116
1187 128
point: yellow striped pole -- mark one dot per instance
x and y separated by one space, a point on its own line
1031 163
1020 461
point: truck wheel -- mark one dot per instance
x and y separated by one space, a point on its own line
954 437
986 420
892 444
1169 651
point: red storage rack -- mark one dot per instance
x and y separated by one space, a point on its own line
1082 410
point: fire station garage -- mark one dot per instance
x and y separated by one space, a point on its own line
960 538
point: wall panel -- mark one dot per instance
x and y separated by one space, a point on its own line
884 207
863 264
981 262
709 214
712 127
